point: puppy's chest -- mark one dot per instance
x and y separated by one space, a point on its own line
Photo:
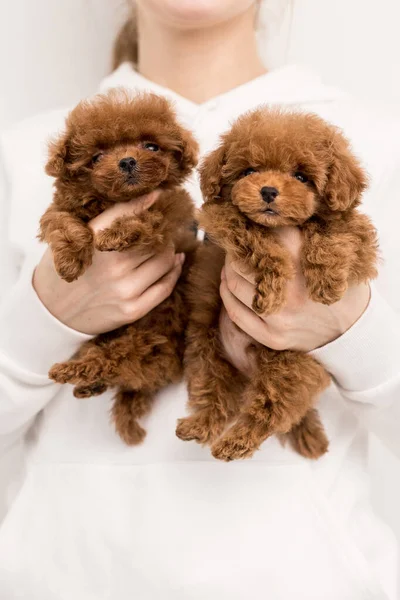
93 208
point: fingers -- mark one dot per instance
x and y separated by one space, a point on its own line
290 237
155 294
242 282
151 271
133 207
133 259
273 331
243 316
237 284
236 267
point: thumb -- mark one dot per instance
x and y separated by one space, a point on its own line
133 207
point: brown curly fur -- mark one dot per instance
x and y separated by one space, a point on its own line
142 357
233 413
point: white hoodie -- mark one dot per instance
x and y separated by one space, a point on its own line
95 519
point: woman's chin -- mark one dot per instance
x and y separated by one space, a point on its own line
193 14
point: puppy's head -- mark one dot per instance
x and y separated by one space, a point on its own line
121 146
281 168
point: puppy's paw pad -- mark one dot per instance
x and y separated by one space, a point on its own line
90 390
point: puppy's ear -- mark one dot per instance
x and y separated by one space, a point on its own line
58 152
188 151
346 179
211 174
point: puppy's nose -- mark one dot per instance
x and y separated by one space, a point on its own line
127 164
269 193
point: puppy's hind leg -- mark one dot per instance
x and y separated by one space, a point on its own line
214 386
278 398
91 368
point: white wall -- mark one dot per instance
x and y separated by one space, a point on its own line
54 51
353 43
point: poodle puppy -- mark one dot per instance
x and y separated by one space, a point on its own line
271 170
116 147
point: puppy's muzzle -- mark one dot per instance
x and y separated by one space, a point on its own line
269 194
127 165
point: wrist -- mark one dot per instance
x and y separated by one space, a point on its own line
368 354
32 339
325 324
55 294
350 308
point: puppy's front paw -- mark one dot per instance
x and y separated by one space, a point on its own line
113 240
267 305
71 265
143 232
328 291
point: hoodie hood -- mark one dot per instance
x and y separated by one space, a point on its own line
290 85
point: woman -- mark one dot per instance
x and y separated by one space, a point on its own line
95 519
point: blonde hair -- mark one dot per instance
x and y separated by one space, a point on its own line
126 45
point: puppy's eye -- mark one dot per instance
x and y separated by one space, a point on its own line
152 147
97 157
249 171
301 177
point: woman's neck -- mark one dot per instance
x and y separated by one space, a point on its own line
199 64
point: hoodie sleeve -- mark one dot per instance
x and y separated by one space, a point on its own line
365 361
31 339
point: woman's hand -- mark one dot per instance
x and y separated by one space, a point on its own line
118 288
302 324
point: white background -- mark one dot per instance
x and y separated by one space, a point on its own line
52 52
